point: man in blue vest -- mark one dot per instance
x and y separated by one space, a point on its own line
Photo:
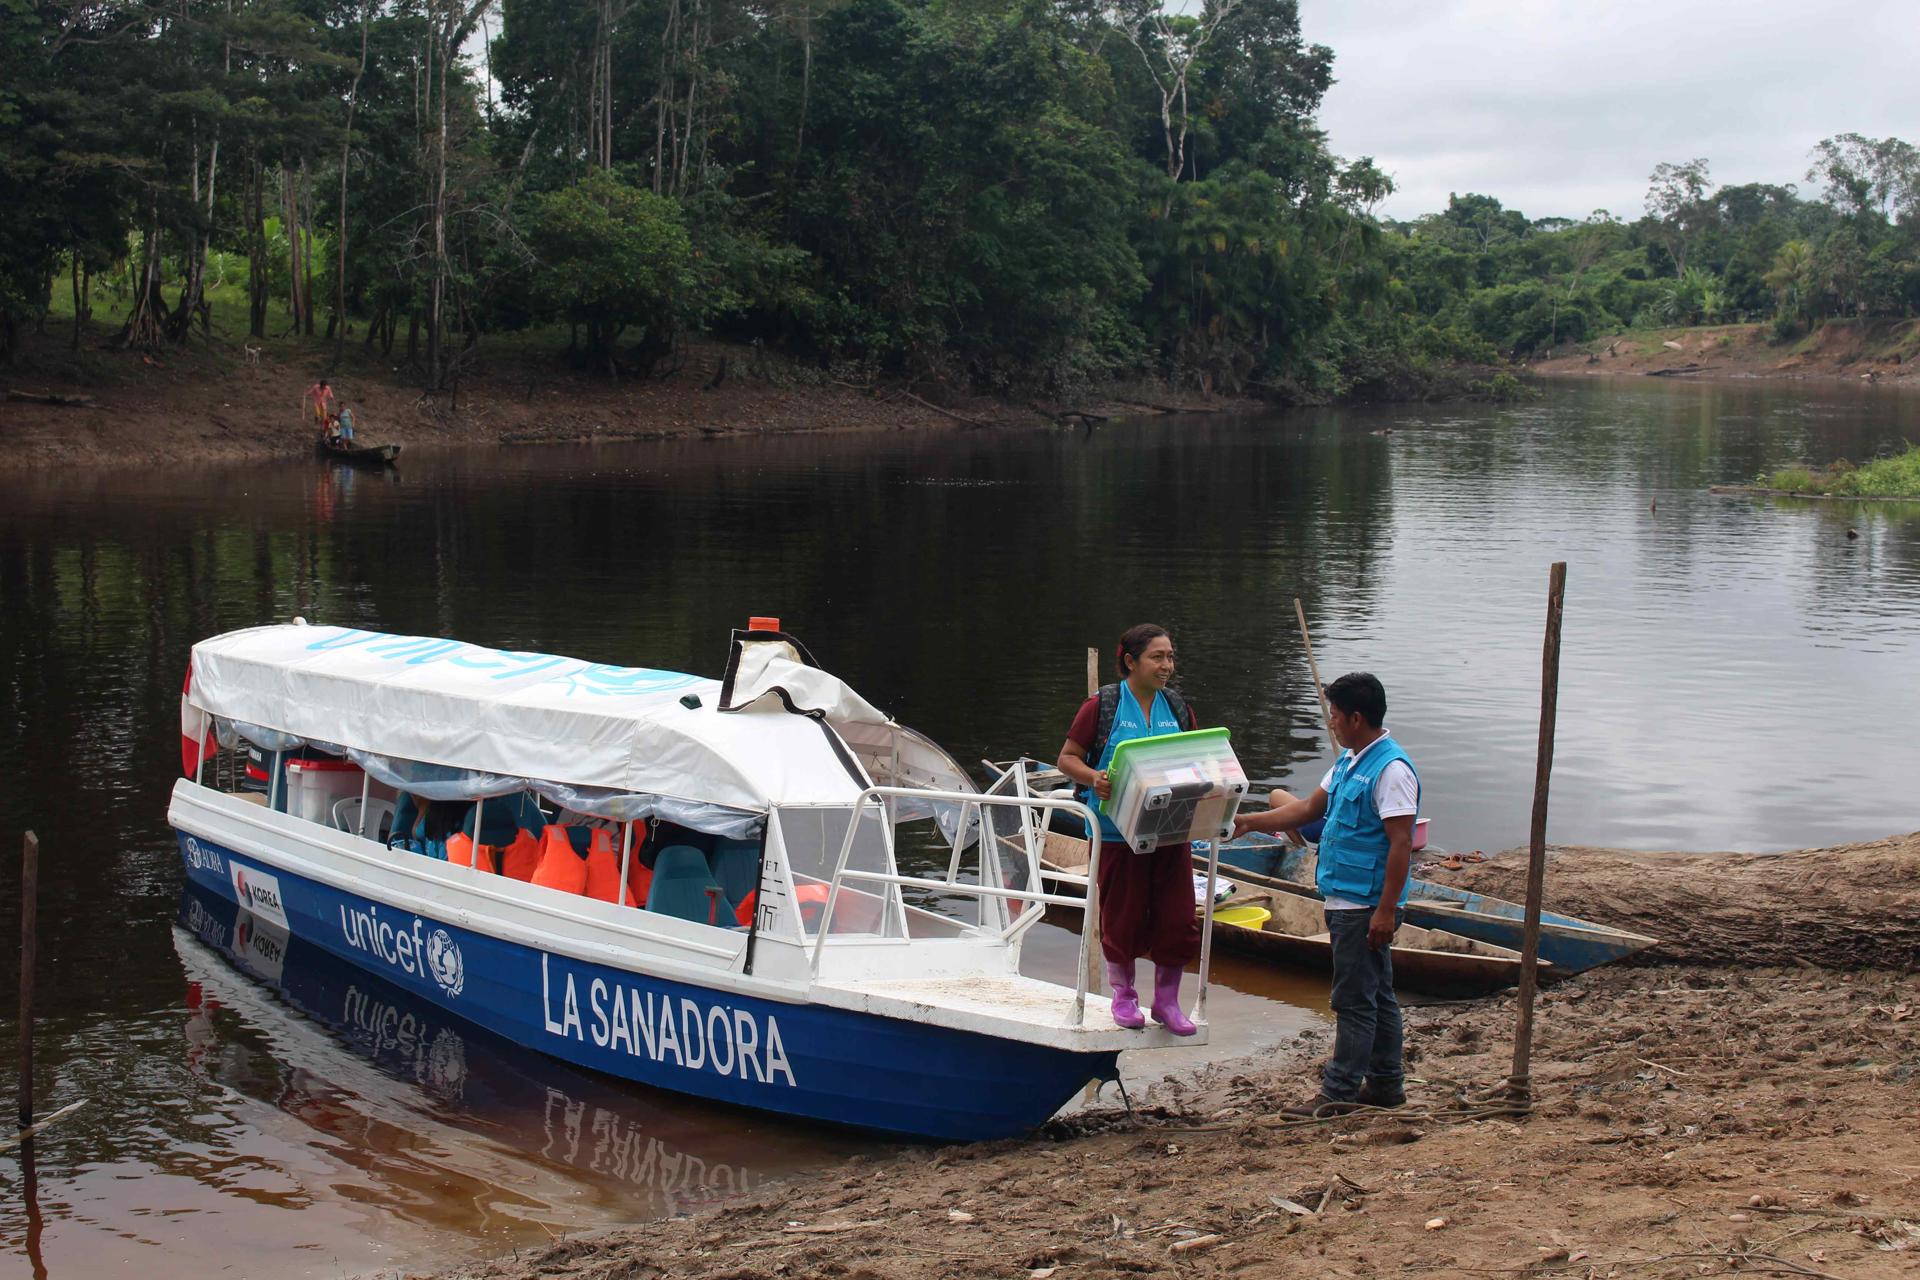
1369 800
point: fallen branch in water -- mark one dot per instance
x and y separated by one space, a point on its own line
957 417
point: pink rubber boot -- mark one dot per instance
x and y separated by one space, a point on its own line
1166 1000
1126 1001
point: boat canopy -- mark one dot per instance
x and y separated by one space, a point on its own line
435 715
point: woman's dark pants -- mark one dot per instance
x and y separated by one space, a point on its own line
1367 1030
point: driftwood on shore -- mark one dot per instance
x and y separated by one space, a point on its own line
1850 906
1677 370
50 397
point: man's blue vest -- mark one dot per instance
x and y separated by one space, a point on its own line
1353 848
1129 723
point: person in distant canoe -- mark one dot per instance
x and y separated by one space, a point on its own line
1370 800
1146 899
319 398
343 424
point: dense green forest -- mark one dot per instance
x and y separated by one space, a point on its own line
991 194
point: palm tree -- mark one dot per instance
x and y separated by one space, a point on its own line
1791 279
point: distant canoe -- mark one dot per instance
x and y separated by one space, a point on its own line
359 455
1572 945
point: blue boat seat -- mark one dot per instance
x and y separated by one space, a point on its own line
736 865
406 817
504 817
684 886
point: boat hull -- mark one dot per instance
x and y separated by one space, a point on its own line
1569 944
362 455
1426 965
1441 974
793 1058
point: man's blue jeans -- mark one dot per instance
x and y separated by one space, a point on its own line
1367 1030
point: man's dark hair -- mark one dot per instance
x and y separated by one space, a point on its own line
1362 692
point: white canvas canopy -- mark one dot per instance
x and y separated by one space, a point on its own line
523 716
768 671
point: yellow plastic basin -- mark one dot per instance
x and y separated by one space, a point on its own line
1247 917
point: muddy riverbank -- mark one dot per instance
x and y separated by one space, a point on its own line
1691 1119
1880 351
1843 906
121 409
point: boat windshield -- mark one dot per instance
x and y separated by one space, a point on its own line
867 905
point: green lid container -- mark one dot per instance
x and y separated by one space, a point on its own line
1195 744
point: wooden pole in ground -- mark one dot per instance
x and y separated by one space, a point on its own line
1519 1084
1326 716
29 898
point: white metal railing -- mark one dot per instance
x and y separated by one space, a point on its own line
1089 933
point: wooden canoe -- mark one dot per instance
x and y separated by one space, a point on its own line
1570 944
1431 962
359 455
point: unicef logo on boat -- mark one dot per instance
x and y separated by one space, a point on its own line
443 962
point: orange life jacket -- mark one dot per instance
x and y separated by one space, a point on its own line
603 868
521 858
461 852
560 867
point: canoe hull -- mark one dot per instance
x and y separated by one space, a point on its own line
366 455
1568 943
1432 973
1295 937
793 1058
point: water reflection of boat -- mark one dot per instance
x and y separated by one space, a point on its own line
772 958
446 1115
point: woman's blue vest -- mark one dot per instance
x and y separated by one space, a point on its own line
1129 722
1353 848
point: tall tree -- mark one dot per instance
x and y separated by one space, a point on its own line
1677 199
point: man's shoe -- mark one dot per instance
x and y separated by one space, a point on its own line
1369 1096
1319 1107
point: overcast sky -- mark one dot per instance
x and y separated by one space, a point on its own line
1561 107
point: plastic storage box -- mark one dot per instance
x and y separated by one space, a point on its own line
1174 787
314 785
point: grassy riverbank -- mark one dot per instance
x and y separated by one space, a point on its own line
1895 477
1757 1113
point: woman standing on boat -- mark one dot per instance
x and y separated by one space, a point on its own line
1146 899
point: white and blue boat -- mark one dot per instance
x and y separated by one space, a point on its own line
780 959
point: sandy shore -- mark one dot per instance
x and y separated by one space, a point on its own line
1690 1119
1878 352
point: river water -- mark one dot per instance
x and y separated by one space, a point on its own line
1737 674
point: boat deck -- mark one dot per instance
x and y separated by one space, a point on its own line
1010 1005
